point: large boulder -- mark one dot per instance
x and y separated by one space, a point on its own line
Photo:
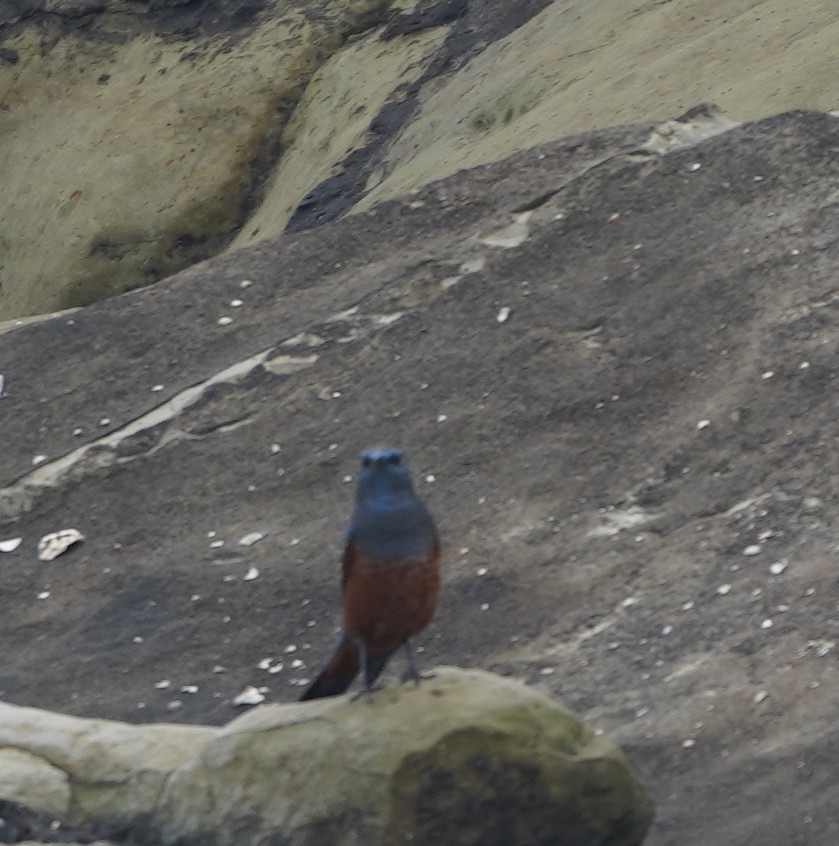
463 758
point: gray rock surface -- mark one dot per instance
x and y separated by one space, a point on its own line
634 473
465 758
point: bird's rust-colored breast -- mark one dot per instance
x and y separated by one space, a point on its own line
387 602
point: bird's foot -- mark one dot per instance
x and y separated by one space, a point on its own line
416 677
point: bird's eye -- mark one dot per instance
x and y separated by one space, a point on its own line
394 458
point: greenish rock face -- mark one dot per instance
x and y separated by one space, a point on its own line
129 154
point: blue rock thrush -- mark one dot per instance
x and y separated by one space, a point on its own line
391 575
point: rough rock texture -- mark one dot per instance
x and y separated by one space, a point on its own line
413 764
137 138
634 473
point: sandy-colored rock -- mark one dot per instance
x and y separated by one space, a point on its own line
581 64
414 763
124 162
91 768
30 779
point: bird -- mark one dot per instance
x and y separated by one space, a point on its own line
390 576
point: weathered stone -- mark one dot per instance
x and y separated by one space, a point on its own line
464 758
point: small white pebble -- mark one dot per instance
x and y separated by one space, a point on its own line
688 743
157 388
78 431
778 567
277 668
252 574
703 424
136 639
666 630
767 374
290 649
503 314
224 321
752 549
430 478
216 544
249 696
758 179
766 624
294 542
547 671
795 252
174 705
694 167
274 449
804 365
761 696
105 421
347 479
485 606
482 571
163 685
722 590
212 533
38 459
44 594
687 605
236 303
629 602
296 664
246 283
442 418
189 688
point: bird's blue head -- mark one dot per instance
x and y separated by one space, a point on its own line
383 475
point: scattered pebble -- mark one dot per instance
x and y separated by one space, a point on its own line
761 696
249 696
430 478
688 743
251 538
189 688
77 431
44 594
442 418
10 545
722 590
157 388
252 574
2 385
275 448
666 630
503 314
694 167
767 374
216 544
276 668
778 567
163 685
38 459
236 303
136 639
629 602
174 705
296 664
703 424
482 571
246 283
766 624
290 649
224 321
52 545
687 605
105 421
752 549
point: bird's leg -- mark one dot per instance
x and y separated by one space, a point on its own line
367 690
412 673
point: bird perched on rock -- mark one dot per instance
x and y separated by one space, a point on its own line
391 575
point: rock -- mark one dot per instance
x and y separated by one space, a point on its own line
412 764
653 276
203 126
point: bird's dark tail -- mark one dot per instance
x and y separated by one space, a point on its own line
338 673
342 667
